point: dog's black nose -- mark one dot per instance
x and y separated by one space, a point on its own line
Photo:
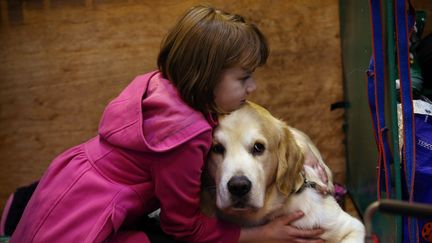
239 185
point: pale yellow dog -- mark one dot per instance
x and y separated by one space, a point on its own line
256 172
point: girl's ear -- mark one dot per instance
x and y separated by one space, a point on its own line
291 160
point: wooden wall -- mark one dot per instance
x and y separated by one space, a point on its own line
63 60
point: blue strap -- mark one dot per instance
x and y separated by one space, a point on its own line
405 87
404 21
376 98
404 24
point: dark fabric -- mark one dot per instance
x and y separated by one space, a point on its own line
154 232
20 199
424 54
23 194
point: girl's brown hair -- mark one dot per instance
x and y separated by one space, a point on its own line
203 43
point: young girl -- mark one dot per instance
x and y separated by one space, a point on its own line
152 145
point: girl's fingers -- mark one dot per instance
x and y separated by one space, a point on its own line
288 219
308 241
313 233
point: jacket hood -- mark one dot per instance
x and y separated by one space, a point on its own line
149 115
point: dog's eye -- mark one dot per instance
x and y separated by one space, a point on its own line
258 149
218 149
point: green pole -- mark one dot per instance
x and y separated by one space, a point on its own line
392 76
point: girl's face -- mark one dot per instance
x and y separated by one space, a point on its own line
233 88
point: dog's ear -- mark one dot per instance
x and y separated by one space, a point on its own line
290 164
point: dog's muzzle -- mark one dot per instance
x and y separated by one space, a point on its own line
239 186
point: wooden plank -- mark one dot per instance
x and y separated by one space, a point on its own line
62 63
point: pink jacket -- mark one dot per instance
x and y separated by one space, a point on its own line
149 153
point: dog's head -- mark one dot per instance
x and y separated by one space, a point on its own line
252 151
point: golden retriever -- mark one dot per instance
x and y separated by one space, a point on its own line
256 172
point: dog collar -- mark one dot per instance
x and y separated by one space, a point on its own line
310 184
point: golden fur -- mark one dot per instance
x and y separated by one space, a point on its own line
256 172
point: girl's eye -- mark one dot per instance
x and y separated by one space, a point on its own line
218 149
258 149
245 78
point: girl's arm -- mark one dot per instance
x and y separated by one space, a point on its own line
177 182
280 230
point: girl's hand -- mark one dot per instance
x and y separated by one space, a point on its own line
280 230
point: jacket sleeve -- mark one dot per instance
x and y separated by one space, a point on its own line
177 179
128 237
